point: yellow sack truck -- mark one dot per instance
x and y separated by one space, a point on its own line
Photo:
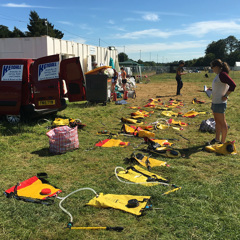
224 149
146 161
138 175
128 203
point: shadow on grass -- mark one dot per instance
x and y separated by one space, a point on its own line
8 129
88 104
166 96
78 105
24 126
185 152
44 152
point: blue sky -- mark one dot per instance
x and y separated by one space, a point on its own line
151 30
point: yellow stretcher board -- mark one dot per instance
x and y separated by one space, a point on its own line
96 70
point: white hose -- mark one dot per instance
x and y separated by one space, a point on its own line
115 171
44 119
164 119
159 122
62 199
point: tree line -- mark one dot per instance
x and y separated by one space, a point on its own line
37 27
228 50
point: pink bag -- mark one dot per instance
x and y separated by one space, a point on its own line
62 139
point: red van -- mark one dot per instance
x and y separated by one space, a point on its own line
29 88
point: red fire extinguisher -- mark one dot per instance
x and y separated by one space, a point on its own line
125 96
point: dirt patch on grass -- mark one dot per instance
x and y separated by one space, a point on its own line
166 91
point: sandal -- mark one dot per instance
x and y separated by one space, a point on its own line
214 141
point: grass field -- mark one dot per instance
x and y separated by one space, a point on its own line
207 206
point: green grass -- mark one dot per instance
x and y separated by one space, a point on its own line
207 206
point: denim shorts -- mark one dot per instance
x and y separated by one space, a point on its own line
219 107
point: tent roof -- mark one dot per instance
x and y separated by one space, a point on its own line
237 64
128 63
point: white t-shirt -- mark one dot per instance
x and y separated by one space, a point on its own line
219 89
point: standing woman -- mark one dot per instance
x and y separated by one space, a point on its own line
179 73
114 80
222 86
124 78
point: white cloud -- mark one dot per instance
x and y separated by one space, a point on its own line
87 30
176 14
146 16
144 34
170 46
198 29
151 17
111 22
14 5
116 28
78 40
131 19
22 5
84 26
65 23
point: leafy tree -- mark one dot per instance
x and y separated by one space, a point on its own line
231 44
199 62
58 34
208 58
149 63
189 63
218 49
53 32
17 33
36 26
233 57
40 26
4 32
122 57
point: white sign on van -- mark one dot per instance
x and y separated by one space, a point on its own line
12 72
48 71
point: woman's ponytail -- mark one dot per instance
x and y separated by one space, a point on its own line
225 67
